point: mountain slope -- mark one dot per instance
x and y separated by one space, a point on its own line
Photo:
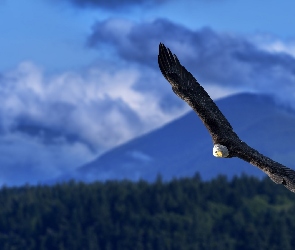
184 146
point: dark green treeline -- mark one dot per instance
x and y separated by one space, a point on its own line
244 213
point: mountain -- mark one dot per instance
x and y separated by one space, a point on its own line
183 147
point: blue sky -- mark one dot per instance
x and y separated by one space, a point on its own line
78 77
52 33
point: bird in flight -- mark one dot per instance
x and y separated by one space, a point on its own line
226 142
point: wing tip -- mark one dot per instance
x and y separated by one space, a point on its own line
162 45
162 50
165 58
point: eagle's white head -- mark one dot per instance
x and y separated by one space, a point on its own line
220 150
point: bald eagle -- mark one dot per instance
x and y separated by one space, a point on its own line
226 142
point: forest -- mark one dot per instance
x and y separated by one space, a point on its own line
187 213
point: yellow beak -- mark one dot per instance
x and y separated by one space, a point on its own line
219 153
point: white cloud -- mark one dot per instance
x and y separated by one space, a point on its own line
275 45
51 124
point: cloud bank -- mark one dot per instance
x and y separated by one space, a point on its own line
214 58
52 124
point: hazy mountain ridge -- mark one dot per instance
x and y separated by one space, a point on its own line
184 146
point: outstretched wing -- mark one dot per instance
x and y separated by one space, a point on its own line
187 88
277 172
